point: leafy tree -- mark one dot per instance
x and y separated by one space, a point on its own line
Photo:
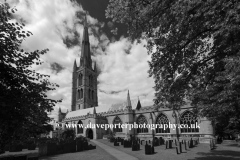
193 46
23 99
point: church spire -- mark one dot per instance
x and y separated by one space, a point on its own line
85 32
85 52
128 100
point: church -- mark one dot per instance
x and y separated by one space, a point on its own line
85 109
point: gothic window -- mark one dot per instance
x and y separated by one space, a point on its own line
80 77
93 95
89 93
78 94
81 93
90 80
161 120
117 128
79 127
189 120
141 121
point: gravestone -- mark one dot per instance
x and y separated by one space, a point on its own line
185 144
180 147
161 141
191 143
149 149
116 143
156 141
177 150
170 143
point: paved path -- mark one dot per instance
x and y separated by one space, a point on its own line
114 152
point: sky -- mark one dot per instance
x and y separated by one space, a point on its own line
58 26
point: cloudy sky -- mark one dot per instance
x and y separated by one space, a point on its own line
58 26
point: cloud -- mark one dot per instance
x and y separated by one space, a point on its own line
56 68
124 66
58 26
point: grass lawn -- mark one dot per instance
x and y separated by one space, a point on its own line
201 152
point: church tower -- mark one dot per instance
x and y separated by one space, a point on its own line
84 77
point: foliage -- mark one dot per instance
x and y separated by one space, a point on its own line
195 51
24 102
68 134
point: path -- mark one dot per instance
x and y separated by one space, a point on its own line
114 152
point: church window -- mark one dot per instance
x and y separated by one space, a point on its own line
118 122
80 79
78 94
161 120
141 121
89 93
189 120
93 95
90 80
81 93
79 127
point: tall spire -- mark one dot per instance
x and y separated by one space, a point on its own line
128 100
85 32
59 110
85 52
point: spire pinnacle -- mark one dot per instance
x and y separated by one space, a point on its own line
95 66
94 110
128 100
59 110
85 53
74 65
85 20
138 104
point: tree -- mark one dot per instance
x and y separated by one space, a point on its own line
24 102
191 43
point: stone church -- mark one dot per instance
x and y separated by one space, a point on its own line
85 109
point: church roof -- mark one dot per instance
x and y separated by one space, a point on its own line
86 111
101 109
123 105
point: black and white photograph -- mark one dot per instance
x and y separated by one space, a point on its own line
119 79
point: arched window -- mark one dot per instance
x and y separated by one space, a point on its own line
80 77
93 95
79 127
189 121
89 93
141 121
81 93
161 120
90 80
78 94
117 124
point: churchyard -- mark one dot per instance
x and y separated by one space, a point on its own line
118 148
187 149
